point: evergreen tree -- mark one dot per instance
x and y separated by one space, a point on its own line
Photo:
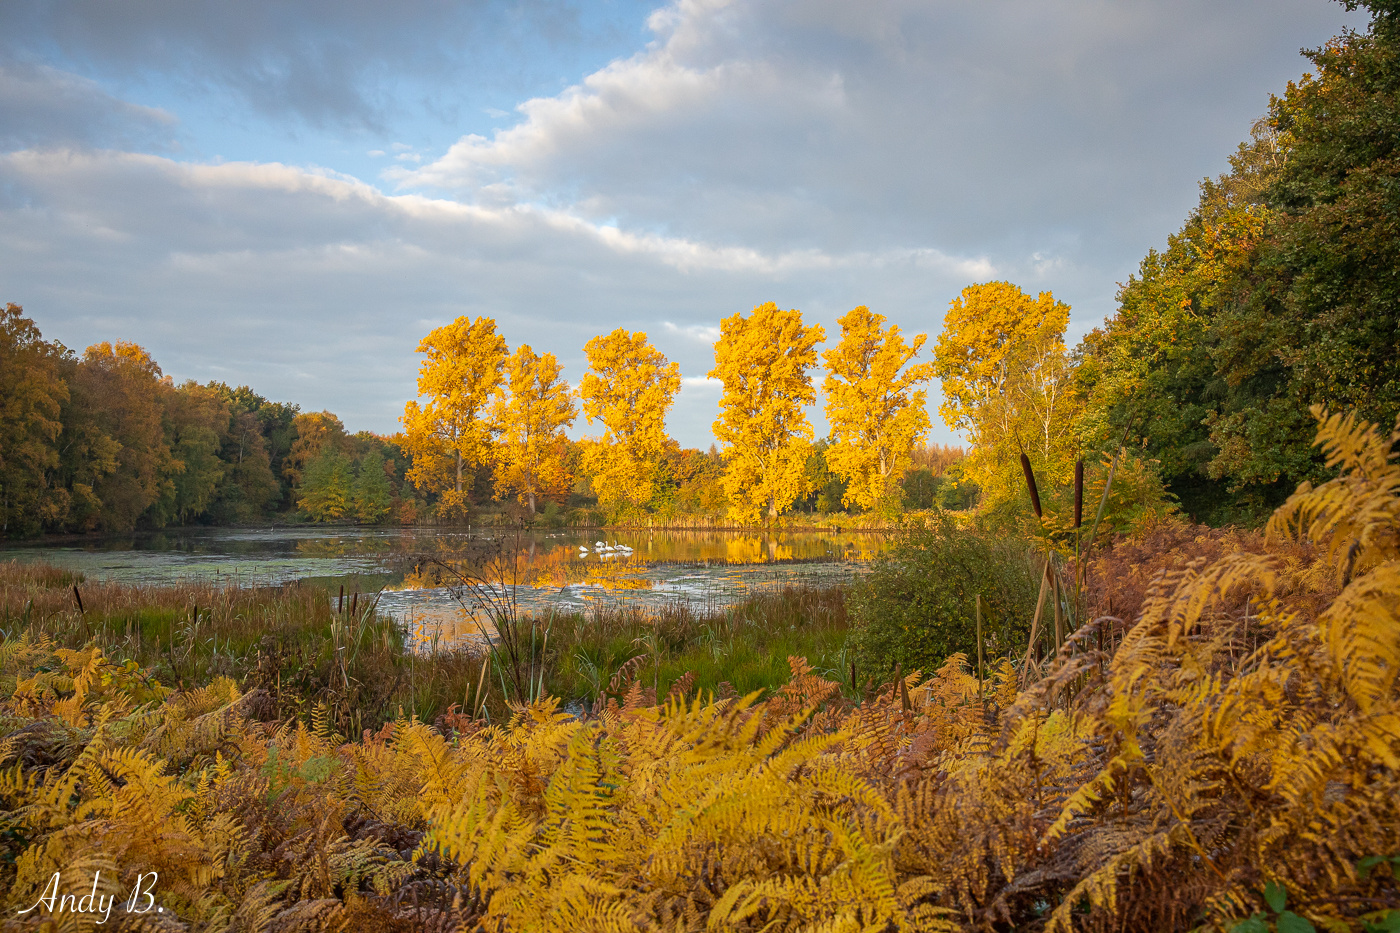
372 493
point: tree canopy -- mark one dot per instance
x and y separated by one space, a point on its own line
764 361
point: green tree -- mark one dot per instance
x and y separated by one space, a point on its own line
193 418
261 434
248 487
1278 293
826 489
326 490
372 494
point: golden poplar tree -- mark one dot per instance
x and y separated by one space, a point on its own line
874 408
1006 382
629 388
764 361
446 435
530 423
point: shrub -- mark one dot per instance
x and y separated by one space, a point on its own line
917 606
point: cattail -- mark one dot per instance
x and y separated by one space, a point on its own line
1030 484
1078 492
340 605
79 597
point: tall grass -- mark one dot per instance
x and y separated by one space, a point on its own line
744 646
307 647
303 645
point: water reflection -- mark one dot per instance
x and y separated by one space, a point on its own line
564 570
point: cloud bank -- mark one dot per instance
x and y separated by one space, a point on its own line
816 154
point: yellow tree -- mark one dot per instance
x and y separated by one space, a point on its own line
764 361
1006 381
530 423
875 410
629 388
446 435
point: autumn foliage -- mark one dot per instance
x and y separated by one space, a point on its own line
764 361
529 423
448 434
629 388
877 414
1235 756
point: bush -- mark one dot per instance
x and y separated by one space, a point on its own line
917 606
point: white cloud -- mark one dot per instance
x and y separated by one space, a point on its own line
705 334
816 153
268 273
797 135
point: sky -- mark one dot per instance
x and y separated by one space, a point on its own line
291 195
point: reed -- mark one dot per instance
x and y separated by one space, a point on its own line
308 647
742 647
302 644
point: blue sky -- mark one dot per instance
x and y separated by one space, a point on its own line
289 195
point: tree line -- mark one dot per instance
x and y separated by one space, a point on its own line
105 442
481 408
1280 292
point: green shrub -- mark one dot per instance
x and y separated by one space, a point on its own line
917 606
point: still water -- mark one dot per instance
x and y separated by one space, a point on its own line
564 570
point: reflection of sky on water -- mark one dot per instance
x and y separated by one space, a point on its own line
705 569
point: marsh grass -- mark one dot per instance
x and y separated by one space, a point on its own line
745 645
308 648
305 646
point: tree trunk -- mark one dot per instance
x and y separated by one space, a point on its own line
459 471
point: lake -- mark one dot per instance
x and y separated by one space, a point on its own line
563 570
